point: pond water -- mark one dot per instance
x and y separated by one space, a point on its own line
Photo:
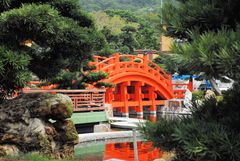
121 151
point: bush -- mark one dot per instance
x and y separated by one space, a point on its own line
95 76
137 60
160 133
212 132
198 95
106 52
125 50
104 84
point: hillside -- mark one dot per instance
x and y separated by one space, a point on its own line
127 24
132 5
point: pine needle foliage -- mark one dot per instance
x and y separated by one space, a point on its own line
211 133
210 34
199 15
212 54
48 36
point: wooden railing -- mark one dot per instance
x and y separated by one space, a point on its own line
179 93
119 63
180 89
131 63
83 100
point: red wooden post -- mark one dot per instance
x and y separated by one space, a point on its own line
190 85
153 118
110 62
96 59
152 97
117 62
138 97
145 63
124 98
109 95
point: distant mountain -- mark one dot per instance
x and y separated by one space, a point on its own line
132 5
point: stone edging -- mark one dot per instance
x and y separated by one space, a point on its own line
106 136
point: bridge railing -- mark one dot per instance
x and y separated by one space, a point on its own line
83 100
114 64
181 88
98 58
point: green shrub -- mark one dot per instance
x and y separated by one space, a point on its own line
160 133
137 60
106 52
219 98
211 133
125 50
95 76
104 84
198 95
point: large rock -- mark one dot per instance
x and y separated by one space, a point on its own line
38 123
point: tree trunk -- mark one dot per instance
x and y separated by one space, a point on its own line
215 87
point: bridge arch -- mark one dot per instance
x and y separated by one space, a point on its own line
147 81
129 77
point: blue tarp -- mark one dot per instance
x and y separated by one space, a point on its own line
182 77
205 83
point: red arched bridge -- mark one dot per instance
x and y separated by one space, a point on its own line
138 82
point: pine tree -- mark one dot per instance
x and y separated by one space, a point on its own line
200 16
43 37
211 34
127 38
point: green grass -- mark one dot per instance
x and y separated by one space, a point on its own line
35 157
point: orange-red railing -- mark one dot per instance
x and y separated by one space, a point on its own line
179 89
119 63
83 100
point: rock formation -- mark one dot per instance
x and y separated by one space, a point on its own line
37 123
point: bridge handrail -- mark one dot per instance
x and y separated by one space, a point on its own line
117 59
148 62
83 100
62 90
159 69
97 58
105 61
134 63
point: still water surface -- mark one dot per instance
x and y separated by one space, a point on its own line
117 152
120 150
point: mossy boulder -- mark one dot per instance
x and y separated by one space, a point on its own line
67 131
25 125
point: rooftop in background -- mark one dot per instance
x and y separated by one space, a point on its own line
151 54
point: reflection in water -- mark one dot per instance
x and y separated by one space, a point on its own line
124 151
108 151
119 151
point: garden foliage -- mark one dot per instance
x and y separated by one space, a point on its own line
209 47
210 134
42 38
